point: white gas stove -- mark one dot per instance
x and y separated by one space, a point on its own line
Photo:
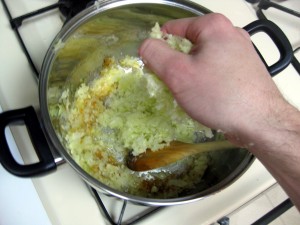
62 197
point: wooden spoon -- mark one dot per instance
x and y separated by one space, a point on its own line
174 152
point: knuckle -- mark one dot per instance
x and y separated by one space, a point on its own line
218 23
220 20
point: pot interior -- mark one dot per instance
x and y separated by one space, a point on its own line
76 56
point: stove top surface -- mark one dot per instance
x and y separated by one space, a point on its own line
62 197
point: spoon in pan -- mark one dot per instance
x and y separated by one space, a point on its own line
172 153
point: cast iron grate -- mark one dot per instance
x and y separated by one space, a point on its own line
68 8
119 220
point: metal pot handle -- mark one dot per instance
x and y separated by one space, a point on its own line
279 39
29 118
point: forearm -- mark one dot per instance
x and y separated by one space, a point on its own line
277 146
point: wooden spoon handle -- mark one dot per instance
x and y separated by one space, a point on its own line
207 146
173 153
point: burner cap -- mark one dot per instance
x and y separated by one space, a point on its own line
69 8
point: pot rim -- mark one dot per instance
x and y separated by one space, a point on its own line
52 137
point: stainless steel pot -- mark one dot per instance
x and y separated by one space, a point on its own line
83 41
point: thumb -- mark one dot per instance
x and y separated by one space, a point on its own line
160 58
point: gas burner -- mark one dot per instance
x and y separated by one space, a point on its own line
69 8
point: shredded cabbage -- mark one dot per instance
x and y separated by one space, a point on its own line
127 108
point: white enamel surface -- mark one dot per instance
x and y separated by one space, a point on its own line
62 194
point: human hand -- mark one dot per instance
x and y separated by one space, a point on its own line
222 83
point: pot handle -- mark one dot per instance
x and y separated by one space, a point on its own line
29 118
279 39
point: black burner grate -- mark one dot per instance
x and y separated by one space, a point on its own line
68 8
120 219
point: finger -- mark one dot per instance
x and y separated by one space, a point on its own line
161 59
178 27
193 28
